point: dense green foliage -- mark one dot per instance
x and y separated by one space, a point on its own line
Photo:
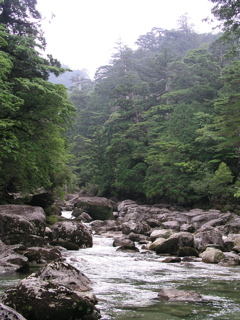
161 122
34 112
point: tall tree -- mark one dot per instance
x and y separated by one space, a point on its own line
34 112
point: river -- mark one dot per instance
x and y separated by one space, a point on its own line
126 284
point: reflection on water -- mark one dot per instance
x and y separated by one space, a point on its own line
127 284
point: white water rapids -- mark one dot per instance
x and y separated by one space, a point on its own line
126 284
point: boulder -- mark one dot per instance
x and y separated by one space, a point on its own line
157 243
175 242
128 248
42 255
212 255
160 233
55 292
202 217
173 225
12 261
63 273
7 313
232 226
65 244
230 259
208 237
153 223
186 227
136 227
179 295
72 231
120 242
187 252
21 223
169 246
98 208
85 217
138 237
103 226
231 241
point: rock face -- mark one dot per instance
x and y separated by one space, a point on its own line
98 208
73 232
55 292
21 224
7 313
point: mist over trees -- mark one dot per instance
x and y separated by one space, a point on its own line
157 124
161 123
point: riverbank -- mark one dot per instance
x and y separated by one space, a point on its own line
168 241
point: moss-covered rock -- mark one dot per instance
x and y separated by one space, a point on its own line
73 232
18 223
55 292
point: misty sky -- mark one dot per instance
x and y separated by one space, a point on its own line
83 33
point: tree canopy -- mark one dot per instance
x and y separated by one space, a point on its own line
161 122
35 113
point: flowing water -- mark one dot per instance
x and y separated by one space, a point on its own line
126 284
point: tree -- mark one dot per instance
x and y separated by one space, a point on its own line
34 112
228 13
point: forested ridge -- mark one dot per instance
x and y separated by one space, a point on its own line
159 123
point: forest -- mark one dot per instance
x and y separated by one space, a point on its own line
158 124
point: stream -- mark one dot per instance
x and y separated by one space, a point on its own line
126 284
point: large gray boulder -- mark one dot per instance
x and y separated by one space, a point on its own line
72 231
12 261
7 313
212 255
233 226
175 242
208 237
136 227
58 291
160 233
21 224
97 207
63 273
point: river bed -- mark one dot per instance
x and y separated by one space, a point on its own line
127 284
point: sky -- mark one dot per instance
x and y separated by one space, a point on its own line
83 33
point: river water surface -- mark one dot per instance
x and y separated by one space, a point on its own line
126 284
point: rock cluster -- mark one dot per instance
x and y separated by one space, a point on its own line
211 235
25 239
63 291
